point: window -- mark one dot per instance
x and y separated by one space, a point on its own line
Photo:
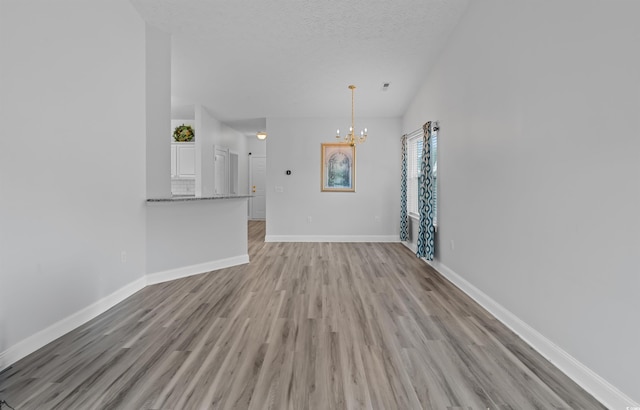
414 157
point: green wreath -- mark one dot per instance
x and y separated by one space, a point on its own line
184 133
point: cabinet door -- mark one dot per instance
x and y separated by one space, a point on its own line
186 161
174 165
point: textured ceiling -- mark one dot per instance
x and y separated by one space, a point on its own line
246 60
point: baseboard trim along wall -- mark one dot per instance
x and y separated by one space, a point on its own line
332 238
51 333
183 272
598 387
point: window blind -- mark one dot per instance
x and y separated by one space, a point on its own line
414 156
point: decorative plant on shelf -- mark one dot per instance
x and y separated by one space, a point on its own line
184 133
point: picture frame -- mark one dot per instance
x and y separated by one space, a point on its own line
338 167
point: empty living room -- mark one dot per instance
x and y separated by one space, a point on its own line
421 204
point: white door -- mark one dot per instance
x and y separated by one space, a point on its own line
233 173
221 171
257 182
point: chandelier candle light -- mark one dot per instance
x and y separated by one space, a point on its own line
351 139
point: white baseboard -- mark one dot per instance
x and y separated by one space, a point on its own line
51 333
598 387
410 245
183 272
332 238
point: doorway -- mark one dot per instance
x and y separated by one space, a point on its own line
257 185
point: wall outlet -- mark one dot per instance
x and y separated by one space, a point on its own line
123 257
452 245
376 218
309 219
279 189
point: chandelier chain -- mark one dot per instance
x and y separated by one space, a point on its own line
351 138
353 125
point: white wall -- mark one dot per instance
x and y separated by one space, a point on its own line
158 111
294 144
539 163
207 128
209 133
255 146
237 142
72 166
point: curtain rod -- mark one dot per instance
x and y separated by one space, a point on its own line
419 131
414 133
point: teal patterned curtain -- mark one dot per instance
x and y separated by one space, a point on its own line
426 231
404 220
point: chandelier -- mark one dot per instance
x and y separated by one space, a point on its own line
351 138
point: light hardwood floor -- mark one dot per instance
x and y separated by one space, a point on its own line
303 326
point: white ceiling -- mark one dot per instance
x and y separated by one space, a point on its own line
246 60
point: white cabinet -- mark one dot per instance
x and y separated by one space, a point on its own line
174 165
183 160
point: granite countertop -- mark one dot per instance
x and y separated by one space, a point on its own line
183 198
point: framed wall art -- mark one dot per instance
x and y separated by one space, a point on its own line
338 167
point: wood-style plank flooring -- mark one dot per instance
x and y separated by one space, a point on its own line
303 326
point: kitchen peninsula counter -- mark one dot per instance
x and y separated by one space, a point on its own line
188 235
183 198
